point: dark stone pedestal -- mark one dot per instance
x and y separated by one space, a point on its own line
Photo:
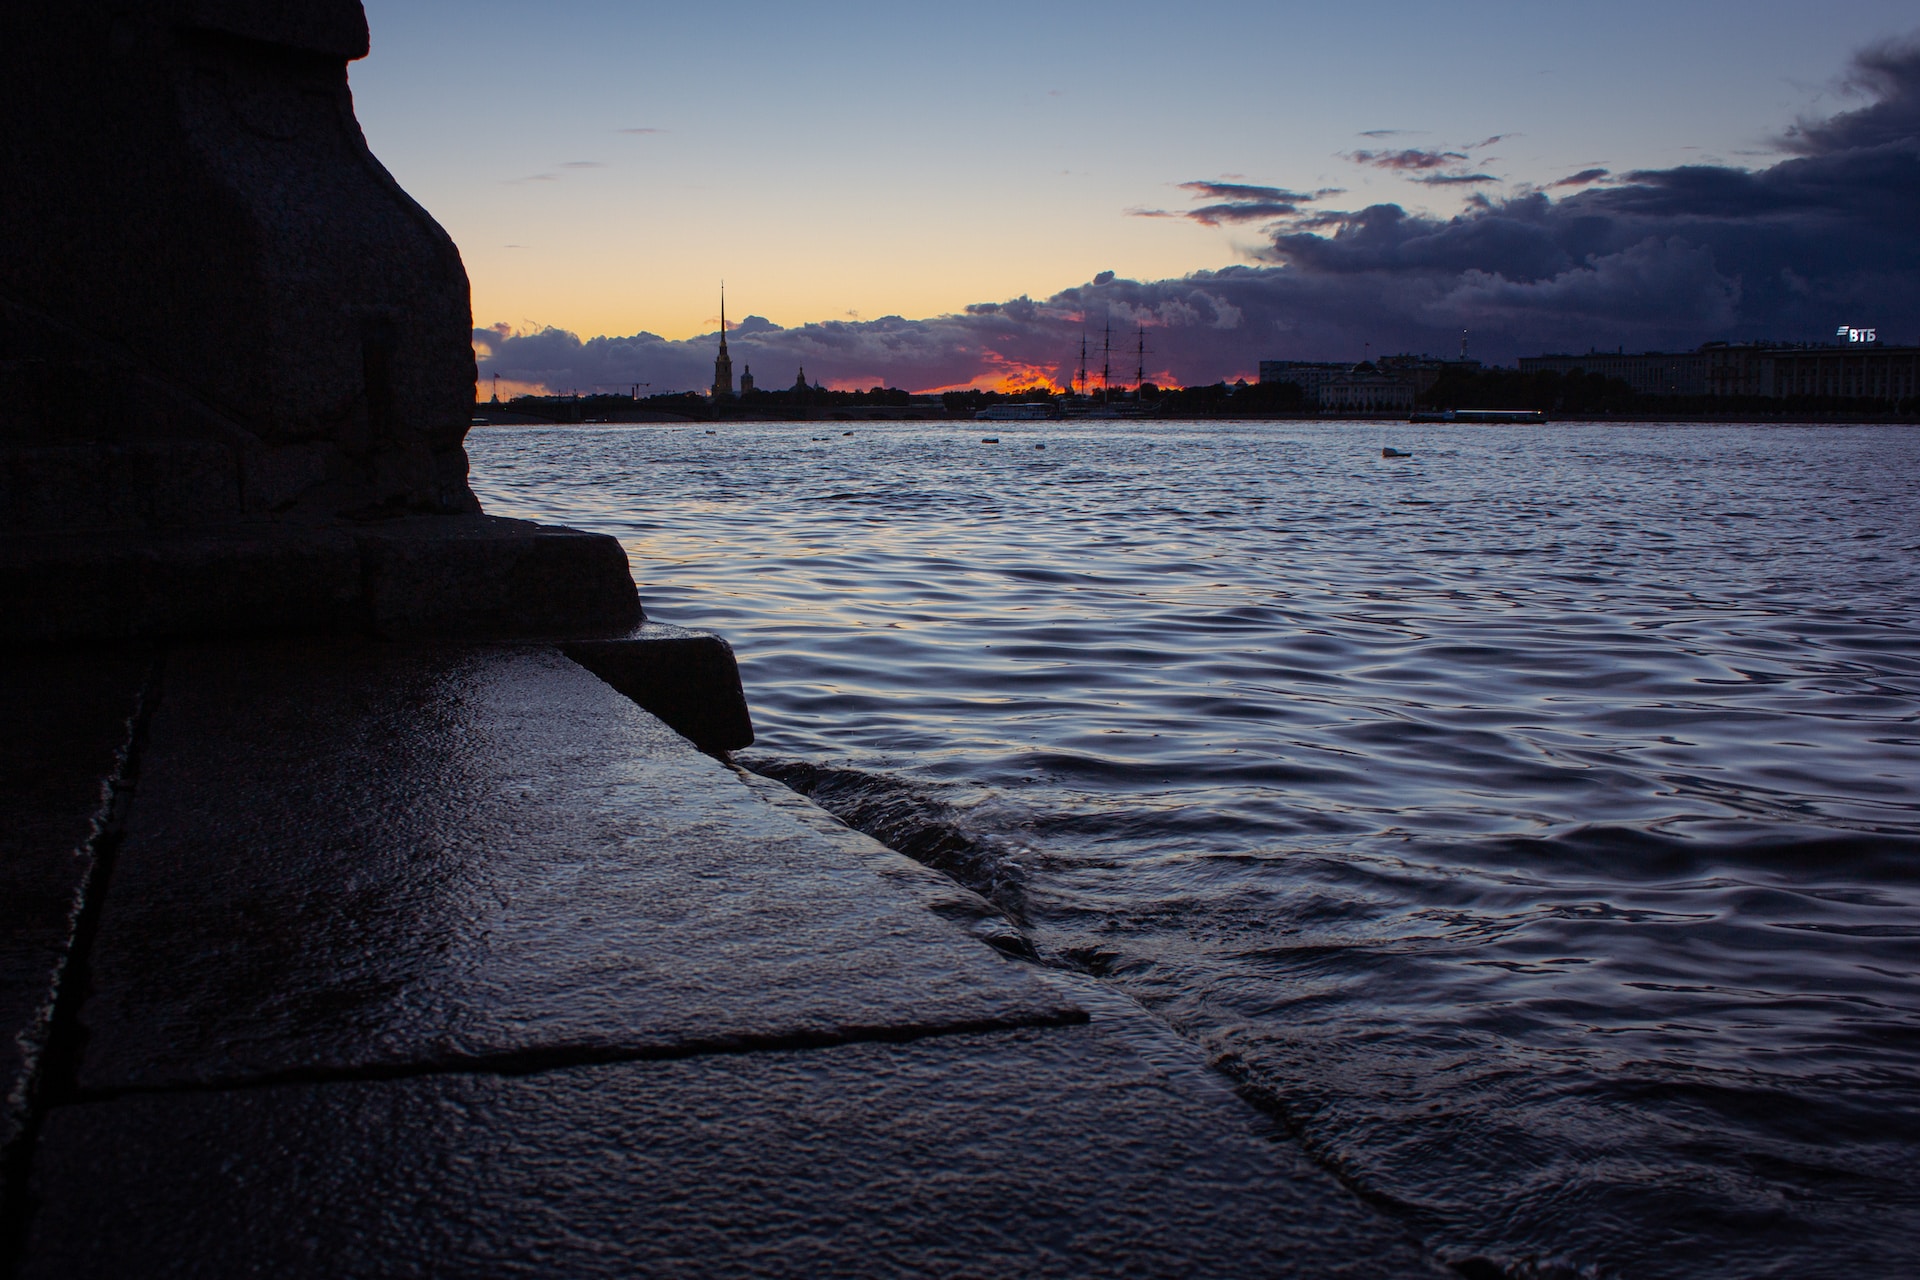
467 576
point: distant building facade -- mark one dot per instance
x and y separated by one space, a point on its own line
1345 388
1848 373
1778 371
1366 393
1308 375
1649 373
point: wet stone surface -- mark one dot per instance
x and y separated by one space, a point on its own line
1097 1150
67 717
450 961
346 857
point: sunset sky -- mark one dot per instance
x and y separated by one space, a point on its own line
603 165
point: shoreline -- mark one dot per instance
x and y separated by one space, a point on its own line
855 415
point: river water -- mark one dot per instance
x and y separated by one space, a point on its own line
1533 823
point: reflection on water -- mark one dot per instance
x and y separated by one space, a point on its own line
1534 822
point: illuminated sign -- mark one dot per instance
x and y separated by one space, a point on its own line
1857 335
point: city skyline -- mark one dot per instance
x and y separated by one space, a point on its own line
1247 186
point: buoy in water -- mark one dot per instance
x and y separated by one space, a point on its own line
1394 453
989 439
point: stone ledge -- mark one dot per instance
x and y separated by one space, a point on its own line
689 679
471 577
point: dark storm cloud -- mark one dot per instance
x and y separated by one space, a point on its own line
1890 73
1454 179
1651 259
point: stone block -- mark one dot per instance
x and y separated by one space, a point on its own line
687 678
246 579
456 577
155 484
477 577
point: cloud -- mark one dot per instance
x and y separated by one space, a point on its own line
1584 178
1236 202
1890 73
550 176
1650 259
1429 167
1242 191
1411 160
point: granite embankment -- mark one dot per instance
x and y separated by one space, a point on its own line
333 956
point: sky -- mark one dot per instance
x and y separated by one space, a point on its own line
935 196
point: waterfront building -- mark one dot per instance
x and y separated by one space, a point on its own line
1764 369
1366 393
1848 373
1352 388
1649 373
1317 379
1422 372
1308 375
746 380
1739 368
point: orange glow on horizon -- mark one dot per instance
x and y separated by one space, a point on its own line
483 389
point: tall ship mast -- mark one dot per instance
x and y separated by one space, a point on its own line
1106 361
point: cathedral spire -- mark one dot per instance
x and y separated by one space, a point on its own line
723 363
